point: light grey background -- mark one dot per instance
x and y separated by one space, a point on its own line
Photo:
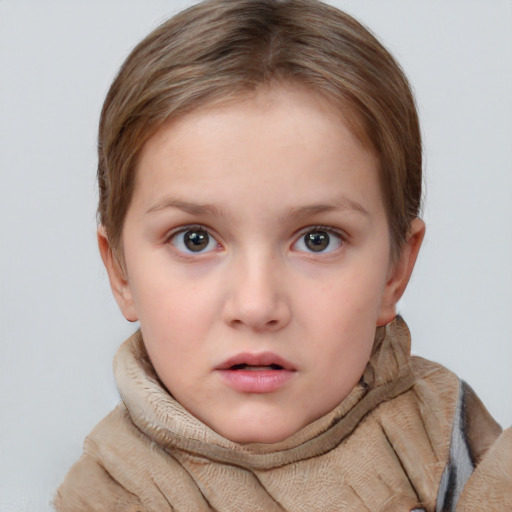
60 326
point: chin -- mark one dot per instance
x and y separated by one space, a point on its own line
259 437
265 434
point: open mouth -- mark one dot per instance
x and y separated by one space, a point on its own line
266 361
257 373
250 367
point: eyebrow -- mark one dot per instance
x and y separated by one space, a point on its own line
341 204
186 206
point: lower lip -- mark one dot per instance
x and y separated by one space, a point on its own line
256 381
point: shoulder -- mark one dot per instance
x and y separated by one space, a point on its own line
428 424
478 470
89 487
490 486
123 469
440 392
92 484
112 470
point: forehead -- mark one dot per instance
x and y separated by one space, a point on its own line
287 142
261 99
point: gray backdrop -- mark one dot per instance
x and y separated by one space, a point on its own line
60 326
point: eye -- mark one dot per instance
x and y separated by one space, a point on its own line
194 240
318 240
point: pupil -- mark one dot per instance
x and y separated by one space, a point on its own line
317 240
196 240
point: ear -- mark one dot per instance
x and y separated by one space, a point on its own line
117 277
400 272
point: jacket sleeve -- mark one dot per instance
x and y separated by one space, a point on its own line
489 488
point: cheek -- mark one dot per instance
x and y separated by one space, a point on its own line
342 294
175 310
175 324
170 312
341 317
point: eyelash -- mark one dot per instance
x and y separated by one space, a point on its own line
214 243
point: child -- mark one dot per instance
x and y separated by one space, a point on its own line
260 186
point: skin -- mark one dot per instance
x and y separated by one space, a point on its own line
258 175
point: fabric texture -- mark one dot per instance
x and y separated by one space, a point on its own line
385 448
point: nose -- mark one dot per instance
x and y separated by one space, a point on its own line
257 298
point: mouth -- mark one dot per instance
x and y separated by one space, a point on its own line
256 373
255 367
265 361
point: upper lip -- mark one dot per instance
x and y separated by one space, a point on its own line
262 359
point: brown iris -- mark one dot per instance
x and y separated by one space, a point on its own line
196 240
317 240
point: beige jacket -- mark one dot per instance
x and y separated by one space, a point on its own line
407 437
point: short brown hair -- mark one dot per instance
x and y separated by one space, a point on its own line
222 48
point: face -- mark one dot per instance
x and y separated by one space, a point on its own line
257 260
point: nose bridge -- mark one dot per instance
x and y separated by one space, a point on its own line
257 298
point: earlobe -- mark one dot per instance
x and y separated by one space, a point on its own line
400 272
117 276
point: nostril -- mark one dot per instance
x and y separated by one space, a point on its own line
257 315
